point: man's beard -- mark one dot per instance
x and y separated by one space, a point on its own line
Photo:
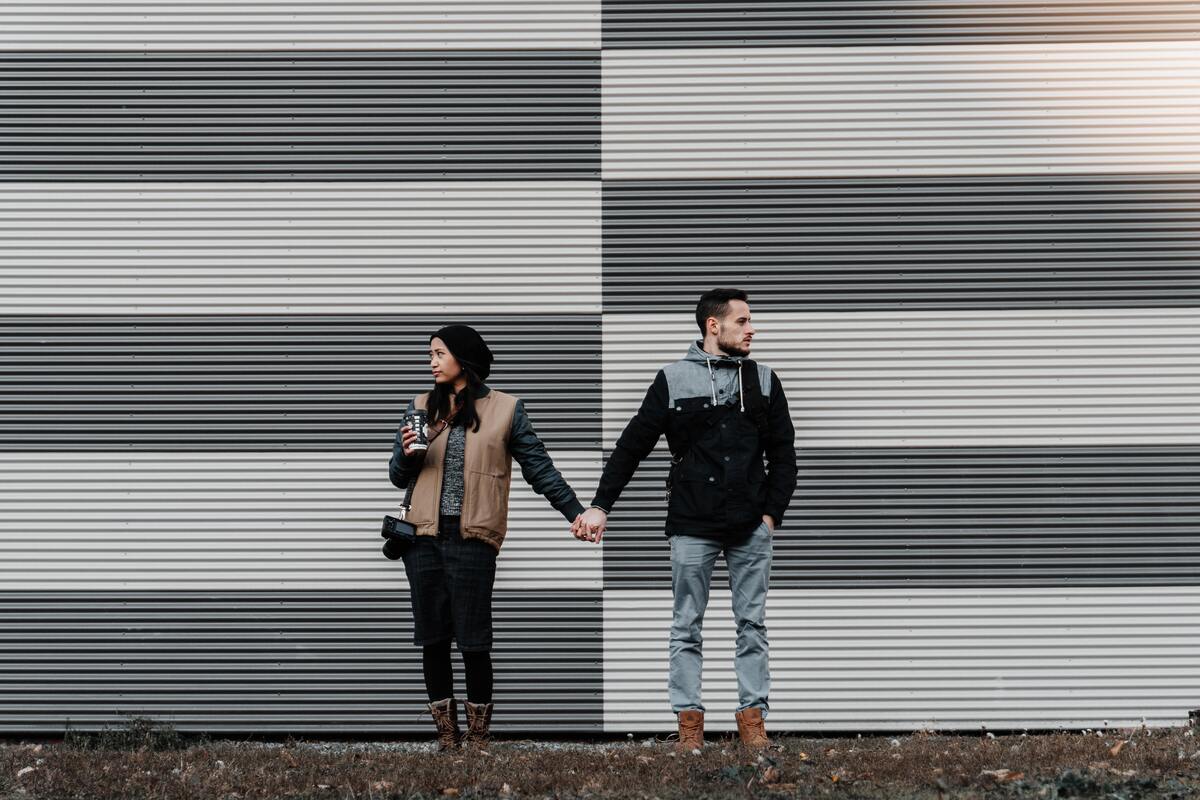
734 348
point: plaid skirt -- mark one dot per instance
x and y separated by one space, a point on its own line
450 579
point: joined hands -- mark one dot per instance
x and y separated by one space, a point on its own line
590 525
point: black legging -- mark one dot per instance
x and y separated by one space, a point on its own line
439 675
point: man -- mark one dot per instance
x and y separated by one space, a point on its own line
721 414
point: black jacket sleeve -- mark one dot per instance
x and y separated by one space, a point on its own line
401 468
538 468
635 443
780 453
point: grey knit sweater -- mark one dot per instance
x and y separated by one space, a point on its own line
452 471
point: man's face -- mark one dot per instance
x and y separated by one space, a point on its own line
735 331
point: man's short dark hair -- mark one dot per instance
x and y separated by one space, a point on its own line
715 303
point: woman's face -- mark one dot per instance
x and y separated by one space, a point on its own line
445 367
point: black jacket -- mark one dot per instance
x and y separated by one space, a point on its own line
720 486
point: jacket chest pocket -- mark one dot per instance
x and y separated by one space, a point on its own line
693 417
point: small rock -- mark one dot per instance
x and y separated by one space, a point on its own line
1002 775
221 764
450 792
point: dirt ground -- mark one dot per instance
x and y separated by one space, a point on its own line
156 763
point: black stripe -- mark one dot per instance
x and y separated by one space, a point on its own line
955 517
881 243
320 662
364 115
764 23
271 382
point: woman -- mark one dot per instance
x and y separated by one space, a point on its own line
460 509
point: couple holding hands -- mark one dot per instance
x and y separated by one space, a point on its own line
733 471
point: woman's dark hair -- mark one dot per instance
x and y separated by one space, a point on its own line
715 303
442 394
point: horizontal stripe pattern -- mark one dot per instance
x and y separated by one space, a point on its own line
954 517
280 662
904 659
270 382
1029 377
766 23
316 115
915 111
300 248
196 24
222 521
1025 241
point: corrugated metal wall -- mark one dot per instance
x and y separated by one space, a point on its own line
227 231
969 234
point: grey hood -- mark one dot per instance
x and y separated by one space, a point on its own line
723 370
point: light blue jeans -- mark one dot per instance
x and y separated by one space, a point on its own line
749 563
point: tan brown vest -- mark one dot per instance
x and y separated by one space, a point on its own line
487 473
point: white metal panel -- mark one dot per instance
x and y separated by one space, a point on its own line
847 111
194 24
235 521
949 378
875 659
462 247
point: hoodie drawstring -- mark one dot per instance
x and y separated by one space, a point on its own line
712 379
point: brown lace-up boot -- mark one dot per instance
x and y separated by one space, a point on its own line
691 731
479 720
445 716
751 729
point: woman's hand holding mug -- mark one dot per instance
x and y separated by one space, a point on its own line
408 436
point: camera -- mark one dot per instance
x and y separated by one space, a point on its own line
398 534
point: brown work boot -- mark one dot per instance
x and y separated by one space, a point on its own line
479 720
691 731
445 716
751 729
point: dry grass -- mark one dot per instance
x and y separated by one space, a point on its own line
1113 764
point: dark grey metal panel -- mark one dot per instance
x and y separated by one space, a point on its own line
321 662
765 23
901 243
954 517
271 382
375 115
